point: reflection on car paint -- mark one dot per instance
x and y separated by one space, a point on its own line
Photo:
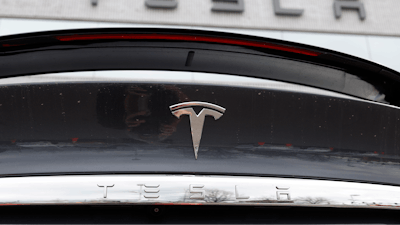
128 126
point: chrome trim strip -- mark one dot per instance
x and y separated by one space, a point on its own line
195 190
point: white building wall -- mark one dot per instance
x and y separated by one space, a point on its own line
382 16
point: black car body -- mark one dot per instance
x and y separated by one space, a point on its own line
281 124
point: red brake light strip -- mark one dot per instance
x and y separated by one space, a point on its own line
174 37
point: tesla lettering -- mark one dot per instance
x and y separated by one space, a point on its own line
237 6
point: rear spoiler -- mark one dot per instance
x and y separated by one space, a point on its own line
174 49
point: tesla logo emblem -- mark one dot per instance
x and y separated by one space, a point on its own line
197 120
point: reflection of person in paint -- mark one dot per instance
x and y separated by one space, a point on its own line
142 110
147 116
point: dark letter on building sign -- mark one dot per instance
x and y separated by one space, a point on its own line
161 4
339 5
286 12
228 6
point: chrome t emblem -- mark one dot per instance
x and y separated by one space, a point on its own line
197 121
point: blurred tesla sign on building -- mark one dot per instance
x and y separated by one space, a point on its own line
366 17
238 6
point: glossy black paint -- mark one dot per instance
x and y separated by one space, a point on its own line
128 128
64 128
44 53
194 215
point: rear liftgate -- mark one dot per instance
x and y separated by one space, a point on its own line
194 118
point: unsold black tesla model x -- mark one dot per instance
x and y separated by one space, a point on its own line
190 126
